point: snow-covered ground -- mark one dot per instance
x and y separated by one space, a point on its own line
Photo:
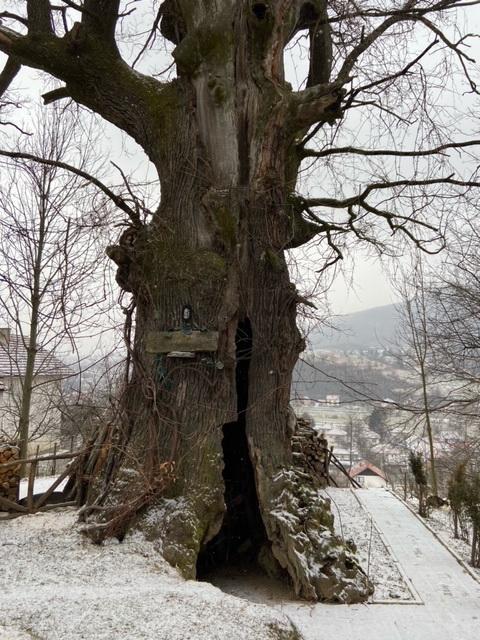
353 522
55 585
440 520
450 608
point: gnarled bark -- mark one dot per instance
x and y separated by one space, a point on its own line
226 179
223 138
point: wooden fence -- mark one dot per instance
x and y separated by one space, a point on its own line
34 503
332 459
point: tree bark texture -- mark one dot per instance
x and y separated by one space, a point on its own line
223 138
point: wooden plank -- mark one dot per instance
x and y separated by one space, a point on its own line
166 341
8 504
59 505
60 456
52 487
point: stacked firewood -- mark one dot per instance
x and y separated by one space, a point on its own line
10 476
310 452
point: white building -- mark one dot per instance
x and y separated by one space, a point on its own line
45 415
368 475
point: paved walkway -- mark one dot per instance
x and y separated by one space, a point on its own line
451 609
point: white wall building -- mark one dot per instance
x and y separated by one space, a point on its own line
368 475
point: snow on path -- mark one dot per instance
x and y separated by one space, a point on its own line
451 596
55 585
352 521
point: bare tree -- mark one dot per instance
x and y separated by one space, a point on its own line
418 354
453 317
455 314
49 254
228 136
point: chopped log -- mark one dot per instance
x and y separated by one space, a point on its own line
12 506
9 475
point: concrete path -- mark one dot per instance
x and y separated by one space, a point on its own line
451 609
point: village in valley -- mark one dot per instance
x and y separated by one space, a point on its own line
239 320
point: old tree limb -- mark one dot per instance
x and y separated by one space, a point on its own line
227 137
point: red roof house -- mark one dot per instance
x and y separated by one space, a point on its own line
368 475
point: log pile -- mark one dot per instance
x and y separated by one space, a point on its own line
310 452
9 477
299 524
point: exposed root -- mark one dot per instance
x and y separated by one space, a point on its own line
114 520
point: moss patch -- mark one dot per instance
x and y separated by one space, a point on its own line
281 633
209 43
179 263
227 225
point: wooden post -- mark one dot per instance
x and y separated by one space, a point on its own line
328 459
31 485
54 461
12 506
37 452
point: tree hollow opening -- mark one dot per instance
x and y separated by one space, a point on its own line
242 533
260 9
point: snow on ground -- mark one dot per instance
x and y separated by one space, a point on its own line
353 522
56 585
441 521
450 597
9 633
41 485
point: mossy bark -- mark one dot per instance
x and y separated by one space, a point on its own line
217 244
223 138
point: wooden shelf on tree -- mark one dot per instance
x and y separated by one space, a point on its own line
167 341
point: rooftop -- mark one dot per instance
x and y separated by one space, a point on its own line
13 358
364 465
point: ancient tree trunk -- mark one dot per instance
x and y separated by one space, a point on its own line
216 250
210 269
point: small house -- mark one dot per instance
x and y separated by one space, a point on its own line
368 475
49 373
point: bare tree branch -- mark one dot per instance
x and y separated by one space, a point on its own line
8 74
56 94
117 200
100 17
13 16
312 153
320 103
39 16
359 199
151 35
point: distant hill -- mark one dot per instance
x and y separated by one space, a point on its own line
369 329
